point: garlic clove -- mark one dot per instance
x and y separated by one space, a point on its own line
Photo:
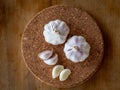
56 70
64 74
45 54
52 61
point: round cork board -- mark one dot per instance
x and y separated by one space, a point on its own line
80 23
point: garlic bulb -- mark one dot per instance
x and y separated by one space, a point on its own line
45 54
47 57
55 32
64 74
77 49
57 70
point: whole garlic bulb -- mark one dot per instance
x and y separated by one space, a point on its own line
55 32
77 49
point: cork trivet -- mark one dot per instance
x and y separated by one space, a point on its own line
80 23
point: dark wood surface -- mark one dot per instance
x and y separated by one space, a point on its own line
14 15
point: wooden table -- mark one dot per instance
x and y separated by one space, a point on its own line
14 15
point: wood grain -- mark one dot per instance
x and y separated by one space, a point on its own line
14 15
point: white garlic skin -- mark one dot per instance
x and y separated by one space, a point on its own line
45 54
64 74
77 49
52 61
56 32
47 57
57 70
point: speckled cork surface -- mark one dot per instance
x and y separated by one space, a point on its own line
80 23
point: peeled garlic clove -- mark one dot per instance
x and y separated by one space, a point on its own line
46 54
64 74
56 70
52 61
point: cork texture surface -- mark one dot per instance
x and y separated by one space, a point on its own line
80 23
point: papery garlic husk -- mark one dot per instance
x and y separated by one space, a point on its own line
77 49
55 32
64 74
52 61
45 54
56 70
